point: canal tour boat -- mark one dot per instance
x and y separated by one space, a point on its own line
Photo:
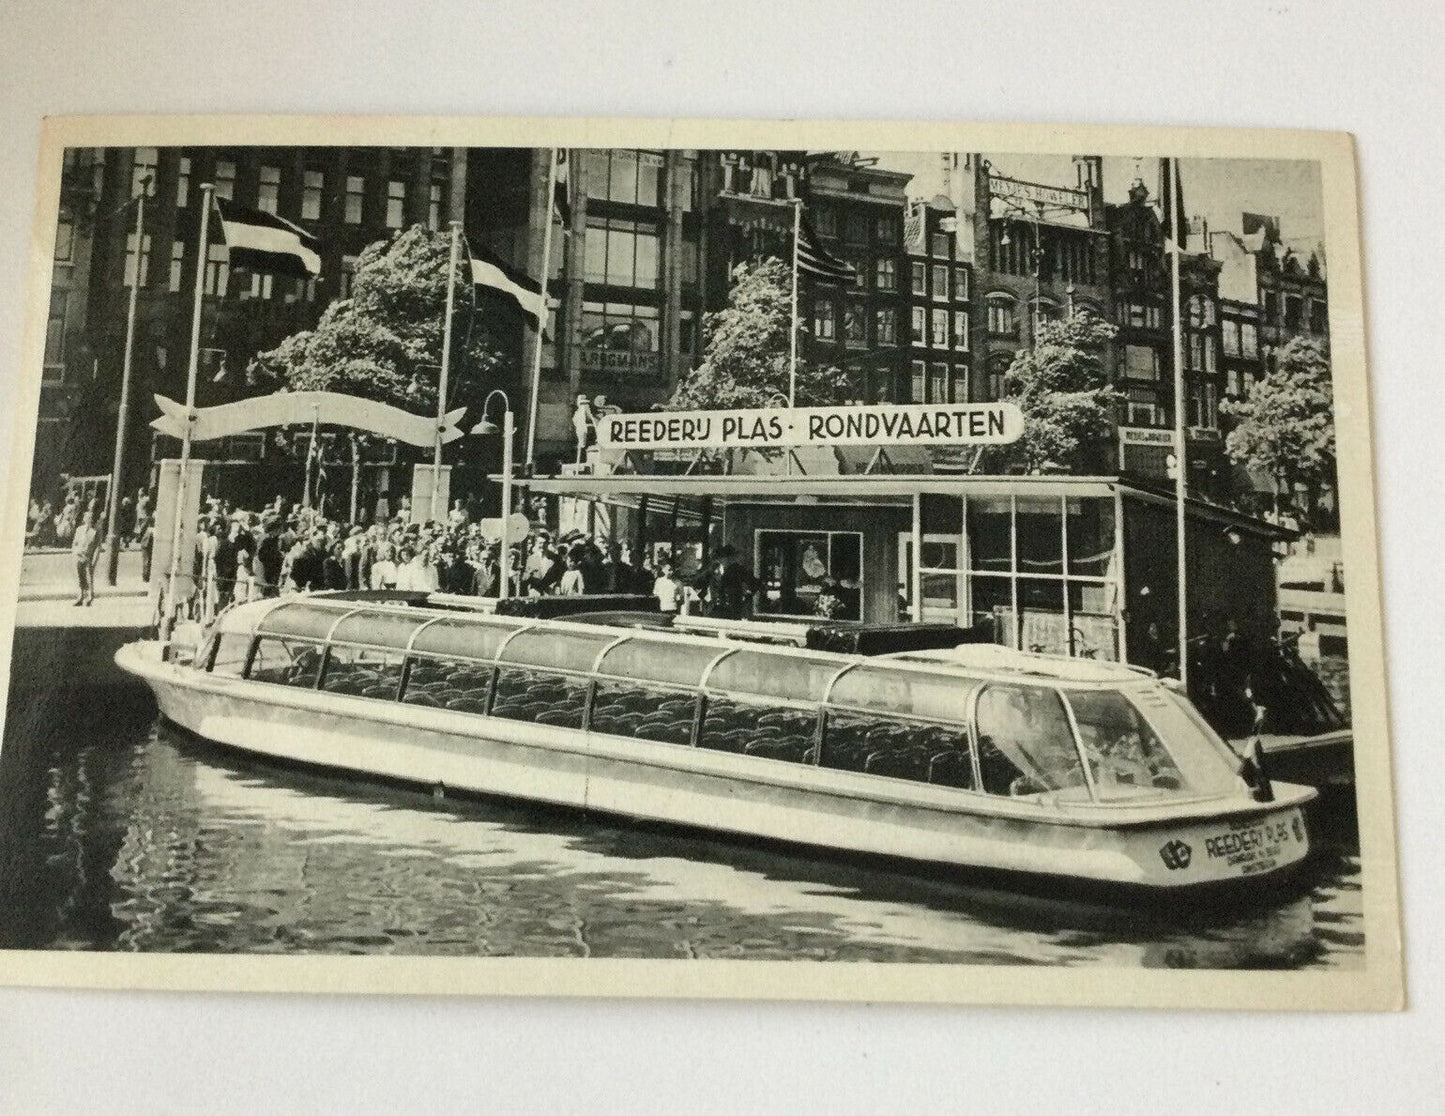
975 757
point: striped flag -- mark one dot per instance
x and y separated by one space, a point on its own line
817 261
1172 211
562 190
514 286
261 241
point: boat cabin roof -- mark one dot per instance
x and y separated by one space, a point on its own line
667 658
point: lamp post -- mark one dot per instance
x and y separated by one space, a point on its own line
486 426
122 416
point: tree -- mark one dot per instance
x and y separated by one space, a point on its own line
1063 390
385 341
1286 428
746 360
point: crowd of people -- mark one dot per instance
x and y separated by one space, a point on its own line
245 555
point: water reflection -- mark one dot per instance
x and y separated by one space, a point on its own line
138 837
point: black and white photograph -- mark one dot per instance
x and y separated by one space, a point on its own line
948 556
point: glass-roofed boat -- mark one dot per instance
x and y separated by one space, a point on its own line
973 756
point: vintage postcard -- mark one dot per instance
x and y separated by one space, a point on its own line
677 558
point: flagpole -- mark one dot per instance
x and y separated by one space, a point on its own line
1181 463
793 332
169 621
535 394
436 476
122 418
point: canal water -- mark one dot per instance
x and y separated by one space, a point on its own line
121 833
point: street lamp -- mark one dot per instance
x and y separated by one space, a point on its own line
486 426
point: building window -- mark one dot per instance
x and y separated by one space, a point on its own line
825 220
355 193
1319 319
960 284
855 228
1230 335
218 270
824 325
178 256
313 183
1292 305
960 330
183 183
1134 261
1271 308
143 172
626 175
919 332
1248 339
855 325
64 238
958 387
622 253
937 383
885 274
1140 315
1141 362
617 327
919 278
919 375
395 204
1204 406
1234 383
885 326
260 286
225 179
1002 317
1143 409
939 245
860 274
268 189
940 282
938 329
130 260
55 336
348 275
998 367
434 206
1201 313
887 230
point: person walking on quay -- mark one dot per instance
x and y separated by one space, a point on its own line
84 546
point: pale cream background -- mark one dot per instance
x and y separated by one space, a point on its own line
1331 63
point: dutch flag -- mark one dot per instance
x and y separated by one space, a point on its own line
513 285
261 241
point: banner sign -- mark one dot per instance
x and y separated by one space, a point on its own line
287 408
1001 187
977 424
1145 436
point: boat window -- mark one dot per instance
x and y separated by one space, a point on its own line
1206 763
380 629
363 672
290 662
557 647
937 697
301 618
449 684
231 651
647 712
1123 752
655 660
759 729
880 745
765 674
462 638
1025 745
543 696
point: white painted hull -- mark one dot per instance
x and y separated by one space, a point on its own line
1157 846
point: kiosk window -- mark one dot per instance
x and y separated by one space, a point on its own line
811 573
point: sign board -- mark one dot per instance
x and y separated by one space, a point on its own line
975 424
1145 436
613 360
1019 190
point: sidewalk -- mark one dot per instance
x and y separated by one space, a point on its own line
49 575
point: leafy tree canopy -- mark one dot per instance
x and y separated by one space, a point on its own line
745 363
1062 387
385 341
1286 428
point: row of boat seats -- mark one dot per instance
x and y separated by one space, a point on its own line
922 753
361 681
649 714
540 696
734 726
462 687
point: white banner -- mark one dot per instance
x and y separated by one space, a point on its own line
977 424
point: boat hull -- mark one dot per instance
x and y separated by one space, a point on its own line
1160 852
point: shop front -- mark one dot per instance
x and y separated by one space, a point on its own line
1079 566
